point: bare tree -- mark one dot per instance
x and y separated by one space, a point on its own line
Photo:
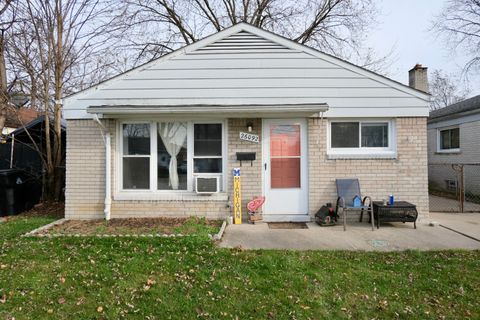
334 26
445 90
459 25
6 21
55 46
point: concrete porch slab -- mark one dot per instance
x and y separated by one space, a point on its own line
359 236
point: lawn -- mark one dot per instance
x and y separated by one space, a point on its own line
190 278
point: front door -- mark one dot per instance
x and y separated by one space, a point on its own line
285 169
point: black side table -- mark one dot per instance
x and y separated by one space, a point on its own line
400 211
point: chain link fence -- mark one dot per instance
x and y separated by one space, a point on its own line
454 187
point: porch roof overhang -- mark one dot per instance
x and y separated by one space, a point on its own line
232 111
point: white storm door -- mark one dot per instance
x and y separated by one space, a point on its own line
285 167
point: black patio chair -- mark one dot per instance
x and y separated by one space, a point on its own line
347 190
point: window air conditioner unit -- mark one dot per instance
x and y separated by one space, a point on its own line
207 185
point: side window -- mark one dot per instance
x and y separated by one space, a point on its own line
207 155
136 156
450 139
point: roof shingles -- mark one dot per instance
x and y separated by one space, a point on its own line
456 108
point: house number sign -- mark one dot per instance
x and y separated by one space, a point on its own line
249 137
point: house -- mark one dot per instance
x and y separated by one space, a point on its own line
453 139
307 117
15 119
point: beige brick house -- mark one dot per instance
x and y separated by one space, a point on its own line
163 139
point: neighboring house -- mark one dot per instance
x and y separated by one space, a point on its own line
15 119
454 138
317 117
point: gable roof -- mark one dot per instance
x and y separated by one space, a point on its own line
244 52
456 109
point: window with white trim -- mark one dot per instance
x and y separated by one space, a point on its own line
136 156
449 139
167 155
207 155
367 137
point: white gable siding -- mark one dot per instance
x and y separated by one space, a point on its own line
245 68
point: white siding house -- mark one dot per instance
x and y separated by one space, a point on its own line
454 138
338 120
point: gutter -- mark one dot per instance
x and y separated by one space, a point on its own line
452 116
108 166
206 108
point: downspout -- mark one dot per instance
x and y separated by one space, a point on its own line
108 166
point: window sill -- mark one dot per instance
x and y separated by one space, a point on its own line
449 151
350 156
174 196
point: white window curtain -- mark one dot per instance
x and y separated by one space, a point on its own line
173 135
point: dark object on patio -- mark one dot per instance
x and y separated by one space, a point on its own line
326 216
347 191
400 211
18 192
287 225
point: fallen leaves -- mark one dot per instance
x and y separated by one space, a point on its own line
150 282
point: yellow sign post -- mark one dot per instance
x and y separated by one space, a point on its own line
237 197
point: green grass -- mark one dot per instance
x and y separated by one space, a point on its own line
190 278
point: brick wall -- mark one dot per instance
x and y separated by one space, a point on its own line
85 181
251 174
405 177
85 174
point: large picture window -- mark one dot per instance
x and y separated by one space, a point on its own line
172 156
449 139
166 155
369 137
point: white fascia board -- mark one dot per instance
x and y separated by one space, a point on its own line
233 111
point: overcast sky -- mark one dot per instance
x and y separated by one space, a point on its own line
405 25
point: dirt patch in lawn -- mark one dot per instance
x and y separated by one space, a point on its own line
50 209
159 225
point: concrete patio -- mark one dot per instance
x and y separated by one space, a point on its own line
359 236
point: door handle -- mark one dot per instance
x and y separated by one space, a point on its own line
265 165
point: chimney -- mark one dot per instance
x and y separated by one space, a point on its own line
418 78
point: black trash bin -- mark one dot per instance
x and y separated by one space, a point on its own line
18 192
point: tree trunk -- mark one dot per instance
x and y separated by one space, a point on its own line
3 84
59 68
